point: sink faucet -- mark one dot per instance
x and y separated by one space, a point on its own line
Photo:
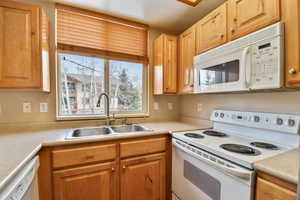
108 120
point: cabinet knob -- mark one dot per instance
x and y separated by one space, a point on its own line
113 169
222 36
232 30
124 167
235 19
292 71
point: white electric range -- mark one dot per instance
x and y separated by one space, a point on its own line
217 164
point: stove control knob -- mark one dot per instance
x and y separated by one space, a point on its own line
256 119
291 122
216 114
279 121
222 115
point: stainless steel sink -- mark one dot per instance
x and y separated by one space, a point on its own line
89 132
129 128
104 131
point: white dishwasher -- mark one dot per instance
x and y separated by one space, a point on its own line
24 186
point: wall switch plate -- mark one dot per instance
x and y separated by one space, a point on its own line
156 106
43 107
170 106
199 107
27 107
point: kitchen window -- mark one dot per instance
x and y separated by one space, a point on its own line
95 56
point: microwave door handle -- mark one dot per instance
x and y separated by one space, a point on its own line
247 75
244 174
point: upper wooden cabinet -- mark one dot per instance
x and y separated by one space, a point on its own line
290 16
246 16
165 64
187 51
24 47
212 29
143 178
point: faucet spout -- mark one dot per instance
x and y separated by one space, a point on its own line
105 95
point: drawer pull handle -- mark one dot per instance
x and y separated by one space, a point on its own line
89 157
113 169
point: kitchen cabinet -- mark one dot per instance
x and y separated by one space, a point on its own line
109 170
96 181
212 29
143 178
270 188
24 46
290 16
246 16
165 64
187 51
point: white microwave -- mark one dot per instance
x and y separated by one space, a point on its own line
252 62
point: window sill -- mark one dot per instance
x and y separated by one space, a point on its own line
102 117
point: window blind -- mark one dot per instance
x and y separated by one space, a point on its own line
86 31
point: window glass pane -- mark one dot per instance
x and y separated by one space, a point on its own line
126 86
81 82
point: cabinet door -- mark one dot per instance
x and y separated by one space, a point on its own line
144 178
266 190
247 16
186 67
170 64
290 17
212 29
158 46
19 45
93 182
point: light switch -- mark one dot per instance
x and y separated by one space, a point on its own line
43 107
199 107
156 106
170 106
26 107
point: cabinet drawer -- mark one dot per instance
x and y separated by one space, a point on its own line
141 147
82 155
270 191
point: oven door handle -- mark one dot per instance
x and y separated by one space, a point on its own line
246 66
241 173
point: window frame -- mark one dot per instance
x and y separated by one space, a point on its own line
117 114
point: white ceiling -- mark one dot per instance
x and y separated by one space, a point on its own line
166 15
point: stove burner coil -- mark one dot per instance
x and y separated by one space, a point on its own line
242 149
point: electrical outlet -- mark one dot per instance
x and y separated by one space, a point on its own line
199 107
0 109
27 107
156 106
43 107
170 106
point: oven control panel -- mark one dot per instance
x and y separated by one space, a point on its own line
288 123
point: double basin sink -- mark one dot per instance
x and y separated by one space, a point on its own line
105 131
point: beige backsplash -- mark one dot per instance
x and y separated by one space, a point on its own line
282 102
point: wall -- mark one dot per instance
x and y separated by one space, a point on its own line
12 117
281 102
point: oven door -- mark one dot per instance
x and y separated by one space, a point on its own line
193 179
225 69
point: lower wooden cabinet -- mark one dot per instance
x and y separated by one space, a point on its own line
89 182
143 178
272 188
131 169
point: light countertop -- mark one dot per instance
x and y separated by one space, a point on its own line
18 148
284 166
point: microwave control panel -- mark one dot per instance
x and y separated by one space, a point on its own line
267 63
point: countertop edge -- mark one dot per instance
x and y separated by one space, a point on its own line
282 176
